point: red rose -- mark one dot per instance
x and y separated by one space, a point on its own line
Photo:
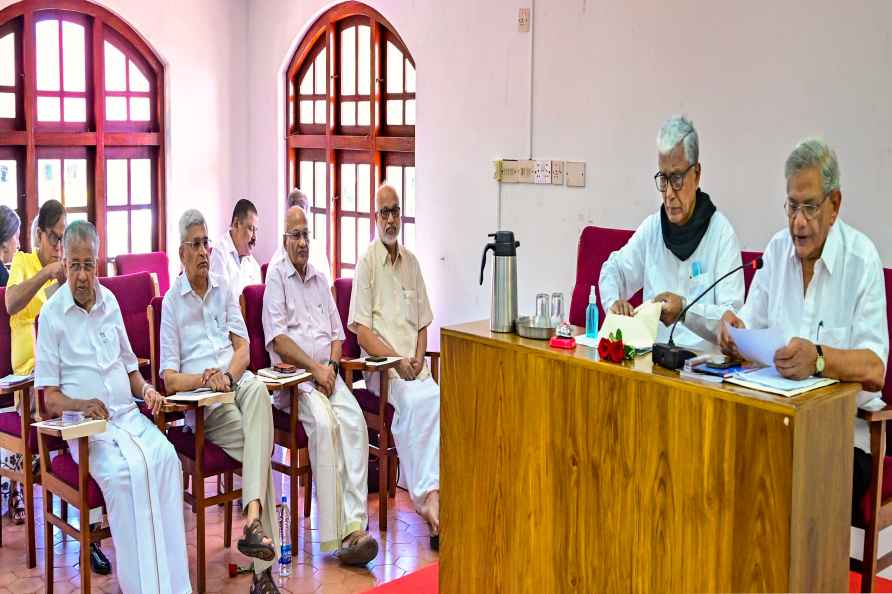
604 348
617 351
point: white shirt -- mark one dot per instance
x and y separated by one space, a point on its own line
645 262
85 354
846 299
195 331
238 272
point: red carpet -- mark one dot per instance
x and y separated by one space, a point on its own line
881 584
423 581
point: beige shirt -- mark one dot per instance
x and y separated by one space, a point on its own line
391 299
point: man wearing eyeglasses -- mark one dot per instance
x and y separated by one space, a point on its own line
678 252
390 313
232 258
204 344
302 327
822 284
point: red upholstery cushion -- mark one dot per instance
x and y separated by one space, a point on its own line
156 262
369 401
595 246
866 508
253 299
748 273
263 269
66 469
281 421
11 424
343 291
216 461
133 292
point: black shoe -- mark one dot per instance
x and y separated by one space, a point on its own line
98 561
435 542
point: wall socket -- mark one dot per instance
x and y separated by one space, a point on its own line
542 172
523 20
574 172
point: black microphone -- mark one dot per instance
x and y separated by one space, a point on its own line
666 354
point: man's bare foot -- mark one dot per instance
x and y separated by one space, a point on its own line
430 511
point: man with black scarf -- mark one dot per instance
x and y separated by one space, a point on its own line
679 251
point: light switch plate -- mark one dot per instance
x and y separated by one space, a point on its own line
574 172
557 173
523 20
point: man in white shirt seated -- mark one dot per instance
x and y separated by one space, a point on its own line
302 327
85 363
390 313
318 257
822 284
678 252
232 260
204 343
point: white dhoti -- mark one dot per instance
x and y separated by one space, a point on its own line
339 456
141 479
416 432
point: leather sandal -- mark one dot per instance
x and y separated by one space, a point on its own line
252 544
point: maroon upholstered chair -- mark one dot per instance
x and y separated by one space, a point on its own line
200 458
874 512
134 292
595 246
156 262
288 431
13 426
263 271
748 273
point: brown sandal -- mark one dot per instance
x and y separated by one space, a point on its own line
262 583
252 544
16 508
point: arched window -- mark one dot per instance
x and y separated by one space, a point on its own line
81 121
351 124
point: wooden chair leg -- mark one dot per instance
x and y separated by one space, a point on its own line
308 492
84 538
29 512
392 463
1 528
48 550
227 512
199 545
293 490
382 490
63 508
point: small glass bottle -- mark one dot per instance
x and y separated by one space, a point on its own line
591 314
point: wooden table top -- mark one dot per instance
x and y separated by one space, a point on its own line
586 356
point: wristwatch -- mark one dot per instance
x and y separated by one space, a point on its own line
819 364
334 364
231 380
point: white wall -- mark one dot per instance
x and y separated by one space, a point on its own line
754 76
202 43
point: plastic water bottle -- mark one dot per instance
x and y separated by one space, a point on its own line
285 538
591 315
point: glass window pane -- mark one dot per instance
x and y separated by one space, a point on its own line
140 109
7 60
48 109
75 183
9 191
116 109
348 61
49 180
141 231
75 109
116 233
320 112
71 217
7 105
116 182
363 187
348 113
363 228
319 231
47 49
410 112
348 240
409 196
140 181
74 65
115 69
409 236
347 272
305 183
306 83
395 113
394 69
306 112
138 82
321 191
321 76
348 187
364 69
394 176
363 113
410 77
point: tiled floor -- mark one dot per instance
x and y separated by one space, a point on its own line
403 548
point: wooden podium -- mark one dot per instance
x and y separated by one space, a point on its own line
562 473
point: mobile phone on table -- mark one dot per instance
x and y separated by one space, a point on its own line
721 362
376 359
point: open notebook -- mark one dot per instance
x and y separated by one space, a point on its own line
767 379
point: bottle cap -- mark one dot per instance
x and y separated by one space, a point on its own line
592 295
284 499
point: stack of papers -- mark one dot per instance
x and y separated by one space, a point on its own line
768 379
202 397
11 380
269 372
758 346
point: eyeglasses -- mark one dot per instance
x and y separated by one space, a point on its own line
808 209
298 234
253 229
85 266
53 238
386 213
675 179
201 242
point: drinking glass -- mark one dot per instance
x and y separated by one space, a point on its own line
543 312
557 309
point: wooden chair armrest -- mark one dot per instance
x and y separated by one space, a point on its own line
273 385
352 364
363 365
432 354
874 416
46 427
18 387
171 407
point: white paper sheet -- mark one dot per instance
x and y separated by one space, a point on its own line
759 345
639 330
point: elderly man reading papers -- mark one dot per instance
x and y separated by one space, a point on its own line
678 252
85 363
822 285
